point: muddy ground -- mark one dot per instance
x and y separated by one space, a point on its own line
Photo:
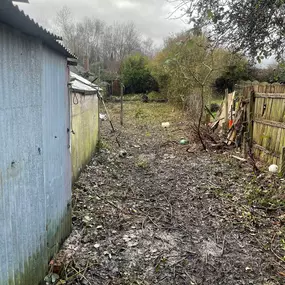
162 213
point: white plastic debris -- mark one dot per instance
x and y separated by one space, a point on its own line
103 117
273 168
165 125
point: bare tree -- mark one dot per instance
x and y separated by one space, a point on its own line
105 45
89 36
64 25
193 64
148 48
126 40
255 27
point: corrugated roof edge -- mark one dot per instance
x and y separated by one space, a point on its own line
56 37
72 55
47 37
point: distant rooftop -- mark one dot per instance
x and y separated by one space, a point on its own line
82 85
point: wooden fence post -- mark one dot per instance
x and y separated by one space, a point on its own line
282 162
226 125
250 118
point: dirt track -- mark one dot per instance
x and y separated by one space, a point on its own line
162 215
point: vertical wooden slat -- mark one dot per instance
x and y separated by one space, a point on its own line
271 138
250 118
282 140
226 126
274 135
278 140
281 107
282 162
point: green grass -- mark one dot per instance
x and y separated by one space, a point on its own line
218 101
132 97
155 96
151 112
146 113
138 97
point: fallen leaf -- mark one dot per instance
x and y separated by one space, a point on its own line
54 277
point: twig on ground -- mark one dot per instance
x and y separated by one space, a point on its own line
275 254
74 275
239 158
191 279
82 274
109 202
153 221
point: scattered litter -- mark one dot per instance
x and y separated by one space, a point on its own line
184 141
97 245
273 168
165 125
103 117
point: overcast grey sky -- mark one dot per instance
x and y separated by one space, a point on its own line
150 16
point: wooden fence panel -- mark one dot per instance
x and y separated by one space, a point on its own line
268 116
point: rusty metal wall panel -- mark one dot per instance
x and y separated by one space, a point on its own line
32 193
